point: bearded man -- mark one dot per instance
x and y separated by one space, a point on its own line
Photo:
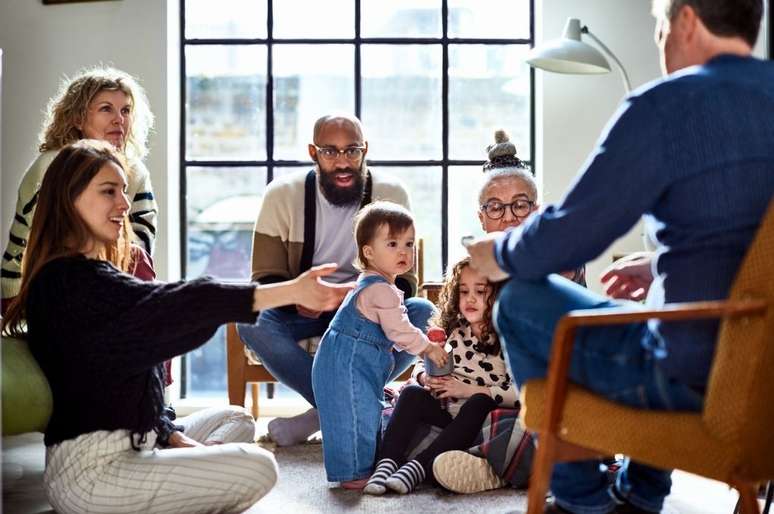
306 219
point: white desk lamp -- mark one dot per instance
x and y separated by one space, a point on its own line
571 55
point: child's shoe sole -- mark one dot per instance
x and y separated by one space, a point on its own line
464 473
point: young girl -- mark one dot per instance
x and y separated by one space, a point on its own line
355 359
478 385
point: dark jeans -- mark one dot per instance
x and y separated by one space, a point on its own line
415 407
614 362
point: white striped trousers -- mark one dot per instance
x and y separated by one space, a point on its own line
99 472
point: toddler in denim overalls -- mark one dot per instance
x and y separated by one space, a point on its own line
355 359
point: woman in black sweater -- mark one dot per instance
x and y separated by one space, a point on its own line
99 335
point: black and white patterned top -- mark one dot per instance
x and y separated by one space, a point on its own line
473 366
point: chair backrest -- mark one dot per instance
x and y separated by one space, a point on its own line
739 407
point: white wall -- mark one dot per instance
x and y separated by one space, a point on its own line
41 44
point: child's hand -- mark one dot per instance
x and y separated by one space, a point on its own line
450 387
436 354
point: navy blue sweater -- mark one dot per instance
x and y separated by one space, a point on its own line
694 154
100 334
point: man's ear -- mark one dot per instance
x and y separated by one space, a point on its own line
313 152
686 23
365 152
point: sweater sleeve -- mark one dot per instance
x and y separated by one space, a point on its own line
271 237
133 325
144 210
622 179
22 221
382 304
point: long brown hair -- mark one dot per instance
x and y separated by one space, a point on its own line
57 228
449 316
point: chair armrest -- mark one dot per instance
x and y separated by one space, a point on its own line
564 337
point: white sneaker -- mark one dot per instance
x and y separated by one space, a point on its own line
464 473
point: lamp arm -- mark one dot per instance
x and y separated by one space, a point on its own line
624 75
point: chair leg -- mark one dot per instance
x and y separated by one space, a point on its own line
254 392
748 498
540 477
769 497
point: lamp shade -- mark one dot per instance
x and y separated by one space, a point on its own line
569 54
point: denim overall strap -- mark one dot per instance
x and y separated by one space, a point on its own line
350 321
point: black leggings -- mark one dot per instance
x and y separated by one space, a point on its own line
416 406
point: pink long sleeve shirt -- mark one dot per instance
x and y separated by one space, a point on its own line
382 303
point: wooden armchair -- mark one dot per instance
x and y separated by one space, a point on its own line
244 368
730 440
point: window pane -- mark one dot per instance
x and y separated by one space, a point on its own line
490 19
488 89
309 81
222 206
464 184
205 368
402 101
424 188
305 19
208 19
284 172
225 104
400 18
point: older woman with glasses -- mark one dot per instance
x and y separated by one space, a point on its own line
509 193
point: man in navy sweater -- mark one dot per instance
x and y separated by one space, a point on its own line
693 154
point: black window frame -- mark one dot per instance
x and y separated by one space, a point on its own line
270 162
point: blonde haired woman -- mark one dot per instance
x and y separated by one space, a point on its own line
99 103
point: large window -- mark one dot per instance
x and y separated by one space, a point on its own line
431 80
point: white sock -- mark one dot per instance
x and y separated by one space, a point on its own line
295 430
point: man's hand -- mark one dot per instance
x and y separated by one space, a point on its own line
482 258
315 295
629 278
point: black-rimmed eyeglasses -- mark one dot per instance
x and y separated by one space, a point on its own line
351 153
495 210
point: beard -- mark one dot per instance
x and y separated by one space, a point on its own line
338 195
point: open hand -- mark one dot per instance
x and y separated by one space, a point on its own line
316 295
629 278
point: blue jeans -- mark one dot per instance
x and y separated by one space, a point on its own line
274 339
613 362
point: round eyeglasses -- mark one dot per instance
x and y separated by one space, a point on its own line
351 153
495 210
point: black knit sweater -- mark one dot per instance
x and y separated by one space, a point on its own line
100 334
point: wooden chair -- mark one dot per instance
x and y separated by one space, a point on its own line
243 367
730 440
